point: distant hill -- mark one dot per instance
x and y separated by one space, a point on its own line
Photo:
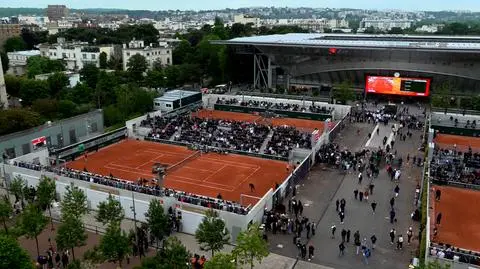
8 12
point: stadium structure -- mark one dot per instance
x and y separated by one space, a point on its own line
317 60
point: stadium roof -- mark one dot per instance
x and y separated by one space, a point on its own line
359 41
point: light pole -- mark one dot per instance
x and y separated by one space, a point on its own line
134 216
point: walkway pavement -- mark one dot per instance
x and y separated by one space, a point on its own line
323 187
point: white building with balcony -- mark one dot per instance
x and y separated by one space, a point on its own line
153 53
75 54
17 61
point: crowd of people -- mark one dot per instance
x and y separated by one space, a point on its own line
141 186
228 134
285 139
450 253
277 106
455 166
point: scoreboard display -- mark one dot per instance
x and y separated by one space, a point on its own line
398 85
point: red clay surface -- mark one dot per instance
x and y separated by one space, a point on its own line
301 124
447 141
460 226
208 175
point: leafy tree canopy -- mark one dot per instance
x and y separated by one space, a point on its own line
40 65
212 234
115 244
74 202
110 211
15 43
12 255
71 234
221 261
251 246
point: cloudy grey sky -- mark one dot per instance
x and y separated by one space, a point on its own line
220 4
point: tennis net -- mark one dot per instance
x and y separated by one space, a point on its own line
184 161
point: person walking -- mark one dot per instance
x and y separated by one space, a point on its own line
365 195
312 226
300 208
307 227
392 202
438 194
337 204
360 196
366 255
439 218
392 216
341 247
396 190
343 234
400 242
371 186
311 249
392 235
360 177
304 251
373 238
374 206
342 216
333 229
356 241
355 194
342 205
409 235
348 236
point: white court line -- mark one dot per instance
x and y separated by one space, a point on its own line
129 171
200 181
166 152
243 181
152 160
214 160
214 173
371 136
198 169
204 186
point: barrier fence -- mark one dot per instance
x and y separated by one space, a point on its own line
286 188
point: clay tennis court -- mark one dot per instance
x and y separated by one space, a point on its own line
460 226
208 174
446 141
301 124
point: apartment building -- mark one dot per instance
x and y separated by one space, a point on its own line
153 53
7 31
386 24
17 61
75 54
56 12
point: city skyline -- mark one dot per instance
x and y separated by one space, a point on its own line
406 5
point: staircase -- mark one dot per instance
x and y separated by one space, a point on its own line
265 142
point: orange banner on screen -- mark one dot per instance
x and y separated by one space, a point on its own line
398 85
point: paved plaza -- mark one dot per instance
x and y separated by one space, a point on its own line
324 186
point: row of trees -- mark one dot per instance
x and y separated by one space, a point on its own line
115 245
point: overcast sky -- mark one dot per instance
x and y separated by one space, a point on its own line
473 5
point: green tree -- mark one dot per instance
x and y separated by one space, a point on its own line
174 255
212 234
112 115
104 93
115 244
56 82
40 65
221 261
15 43
46 107
251 246
74 202
67 108
110 211
343 92
90 74
12 255
12 83
136 66
6 211
14 120
434 265
157 220
46 193
16 187
32 223
155 79
31 90
103 60
80 94
71 233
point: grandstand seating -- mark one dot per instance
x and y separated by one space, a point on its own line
450 166
276 106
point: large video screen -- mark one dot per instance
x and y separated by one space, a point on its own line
398 85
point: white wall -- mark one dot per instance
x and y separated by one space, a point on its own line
136 121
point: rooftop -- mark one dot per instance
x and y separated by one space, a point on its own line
26 52
434 42
175 95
